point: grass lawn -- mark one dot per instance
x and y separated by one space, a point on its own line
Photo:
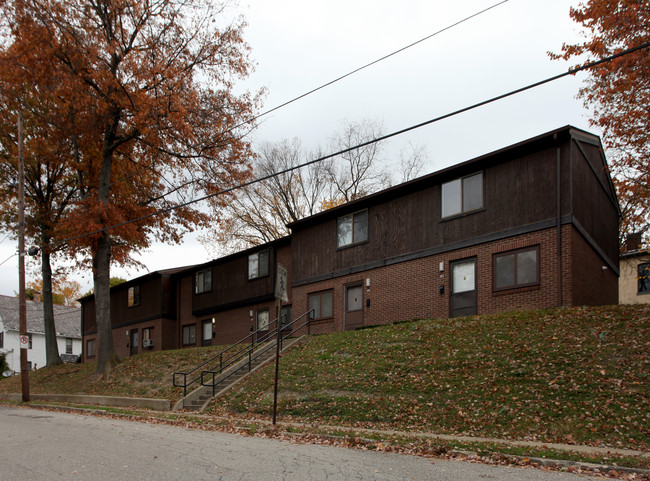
579 375
146 375
563 375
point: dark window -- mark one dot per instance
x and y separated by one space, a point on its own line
643 271
68 345
321 303
263 320
352 229
189 334
30 341
134 296
285 316
516 268
203 281
90 348
2 340
462 195
258 265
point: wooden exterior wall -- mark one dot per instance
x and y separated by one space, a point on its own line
520 193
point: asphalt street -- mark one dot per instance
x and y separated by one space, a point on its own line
44 445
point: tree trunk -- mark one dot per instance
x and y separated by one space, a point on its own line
106 356
51 346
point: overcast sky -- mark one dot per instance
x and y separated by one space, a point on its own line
299 45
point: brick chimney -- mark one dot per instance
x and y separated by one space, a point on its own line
38 297
633 242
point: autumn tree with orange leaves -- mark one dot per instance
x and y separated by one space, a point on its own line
153 121
50 178
619 94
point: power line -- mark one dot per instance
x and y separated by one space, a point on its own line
10 257
572 71
331 82
352 72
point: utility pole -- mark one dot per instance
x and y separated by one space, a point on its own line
22 303
280 295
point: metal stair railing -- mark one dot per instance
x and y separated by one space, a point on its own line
248 343
290 327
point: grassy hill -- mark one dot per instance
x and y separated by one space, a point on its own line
579 375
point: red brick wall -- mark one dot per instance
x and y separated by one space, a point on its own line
410 290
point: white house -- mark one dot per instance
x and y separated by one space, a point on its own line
68 333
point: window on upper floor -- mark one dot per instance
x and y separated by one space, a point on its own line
518 268
203 281
258 264
643 275
133 298
462 195
68 345
30 341
2 340
321 304
352 229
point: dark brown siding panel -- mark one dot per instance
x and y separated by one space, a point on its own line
592 206
230 284
516 194
88 319
592 285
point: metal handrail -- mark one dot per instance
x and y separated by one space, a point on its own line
253 341
272 333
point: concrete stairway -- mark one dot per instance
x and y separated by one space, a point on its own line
198 399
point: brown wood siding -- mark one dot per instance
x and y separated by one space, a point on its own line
230 284
88 318
150 302
515 194
593 207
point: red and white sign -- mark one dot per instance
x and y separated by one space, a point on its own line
24 342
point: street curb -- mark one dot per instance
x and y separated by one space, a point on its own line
111 401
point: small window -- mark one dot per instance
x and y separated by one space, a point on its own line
68 345
30 341
258 265
462 195
206 332
134 296
263 320
643 271
321 304
147 337
203 281
2 340
189 335
285 316
352 229
90 348
518 268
